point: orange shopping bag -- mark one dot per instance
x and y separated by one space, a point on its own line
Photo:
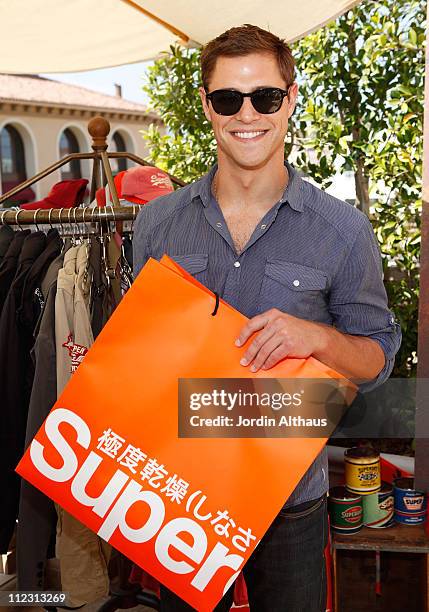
190 511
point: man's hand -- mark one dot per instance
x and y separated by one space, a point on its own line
280 335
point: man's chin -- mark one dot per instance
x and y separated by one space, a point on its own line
247 160
252 164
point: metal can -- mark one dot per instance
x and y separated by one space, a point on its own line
410 505
345 510
378 508
362 466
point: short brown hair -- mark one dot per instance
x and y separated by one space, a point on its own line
243 40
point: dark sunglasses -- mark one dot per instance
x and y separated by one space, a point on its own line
265 101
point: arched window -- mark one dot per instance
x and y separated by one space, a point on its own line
69 144
118 144
12 156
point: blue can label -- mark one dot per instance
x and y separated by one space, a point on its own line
410 506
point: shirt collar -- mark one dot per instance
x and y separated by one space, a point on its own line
292 194
203 187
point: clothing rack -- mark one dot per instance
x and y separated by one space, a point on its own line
60 216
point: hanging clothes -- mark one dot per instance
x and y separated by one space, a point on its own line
16 368
32 298
37 520
113 256
6 237
64 302
83 556
99 292
9 264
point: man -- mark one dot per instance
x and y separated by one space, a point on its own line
302 265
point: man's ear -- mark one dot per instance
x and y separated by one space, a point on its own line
204 102
292 98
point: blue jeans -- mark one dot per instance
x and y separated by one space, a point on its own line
286 572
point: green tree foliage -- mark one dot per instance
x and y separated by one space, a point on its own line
361 108
188 149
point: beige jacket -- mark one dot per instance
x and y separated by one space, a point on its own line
72 319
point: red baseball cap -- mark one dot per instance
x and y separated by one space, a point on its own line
144 183
65 194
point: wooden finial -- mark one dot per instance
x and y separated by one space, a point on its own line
99 128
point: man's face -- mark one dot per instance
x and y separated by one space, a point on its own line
249 139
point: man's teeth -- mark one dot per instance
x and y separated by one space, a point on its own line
248 134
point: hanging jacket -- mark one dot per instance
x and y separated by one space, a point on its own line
31 304
83 555
64 307
32 299
17 323
37 520
6 237
14 357
113 256
10 263
99 293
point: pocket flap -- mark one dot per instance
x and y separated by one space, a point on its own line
192 263
295 276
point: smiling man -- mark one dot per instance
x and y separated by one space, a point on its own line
303 266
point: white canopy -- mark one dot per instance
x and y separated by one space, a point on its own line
39 36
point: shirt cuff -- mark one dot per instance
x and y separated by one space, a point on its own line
390 341
378 380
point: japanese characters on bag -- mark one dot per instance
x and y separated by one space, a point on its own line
143 479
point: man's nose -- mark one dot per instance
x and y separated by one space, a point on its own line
247 112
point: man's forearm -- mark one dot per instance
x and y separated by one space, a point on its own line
277 335
356 357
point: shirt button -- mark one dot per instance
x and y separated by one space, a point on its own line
392 319
237 264
263 226
218 224
296 283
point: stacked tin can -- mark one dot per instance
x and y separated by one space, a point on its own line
378 508
345 510
410 504
366 500
362 501
362 467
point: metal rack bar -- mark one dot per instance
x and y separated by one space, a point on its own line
52 216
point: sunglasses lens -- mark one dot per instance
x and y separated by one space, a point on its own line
267 101
226 102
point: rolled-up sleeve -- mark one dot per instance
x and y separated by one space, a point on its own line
358 301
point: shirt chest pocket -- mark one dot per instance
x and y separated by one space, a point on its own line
194 263
296 289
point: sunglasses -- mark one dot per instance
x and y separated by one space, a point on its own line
265 101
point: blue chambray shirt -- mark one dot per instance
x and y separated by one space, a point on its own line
312 256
